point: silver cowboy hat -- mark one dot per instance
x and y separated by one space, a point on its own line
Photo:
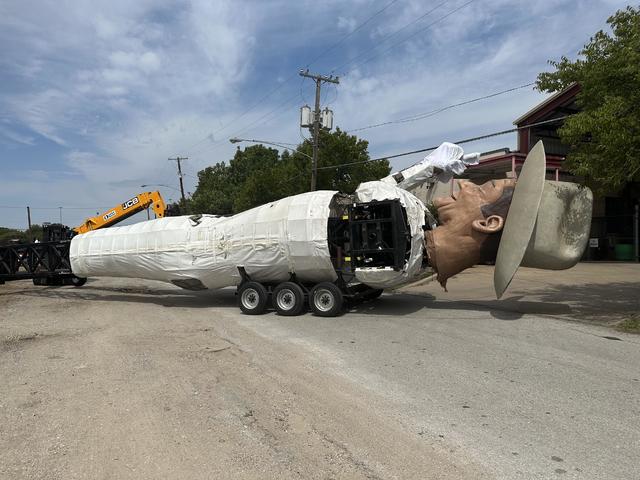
547 225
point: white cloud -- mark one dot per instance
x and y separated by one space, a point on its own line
43 112
16 137
119 86
120 50
347 24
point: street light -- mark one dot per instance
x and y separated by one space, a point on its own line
159 185
238 140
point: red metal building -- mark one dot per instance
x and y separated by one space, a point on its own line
552 111
614 228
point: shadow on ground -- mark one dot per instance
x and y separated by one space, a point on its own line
163 297
407 303
592 302
597 303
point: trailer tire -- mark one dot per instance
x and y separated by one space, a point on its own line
78 281
288 299
326 300
252 298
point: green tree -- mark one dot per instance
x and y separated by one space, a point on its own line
226 189
258 175
604 138
11 235
213 194
337 151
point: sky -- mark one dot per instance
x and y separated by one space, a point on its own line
96 96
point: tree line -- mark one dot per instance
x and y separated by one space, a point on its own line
12 235
259 174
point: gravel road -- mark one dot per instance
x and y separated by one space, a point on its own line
137 379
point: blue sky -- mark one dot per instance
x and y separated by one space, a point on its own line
95 96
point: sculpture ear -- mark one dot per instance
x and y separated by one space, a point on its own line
491 224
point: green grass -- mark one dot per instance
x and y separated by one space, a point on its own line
630 325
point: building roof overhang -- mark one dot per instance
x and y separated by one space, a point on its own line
558 99
553 161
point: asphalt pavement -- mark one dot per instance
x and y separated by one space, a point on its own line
135 379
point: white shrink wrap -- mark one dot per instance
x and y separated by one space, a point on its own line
270 242
387 277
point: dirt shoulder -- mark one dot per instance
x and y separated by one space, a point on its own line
132 379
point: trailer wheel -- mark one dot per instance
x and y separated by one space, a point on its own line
326 300
78 281
252 298
288 299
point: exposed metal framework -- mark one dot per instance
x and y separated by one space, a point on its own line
46 263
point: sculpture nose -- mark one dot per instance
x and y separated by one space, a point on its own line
464 184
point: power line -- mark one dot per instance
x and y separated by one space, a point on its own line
428 149
459 142
271 92
52 208
335 96
377 54
431 113
302 97
359 27
415 33
386 38
253 105
391 35
287 102
401 120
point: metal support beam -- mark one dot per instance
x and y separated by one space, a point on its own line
34 260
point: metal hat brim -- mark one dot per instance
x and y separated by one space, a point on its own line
521 218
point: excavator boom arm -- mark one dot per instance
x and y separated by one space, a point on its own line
140 202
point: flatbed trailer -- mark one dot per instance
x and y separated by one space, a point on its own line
46 263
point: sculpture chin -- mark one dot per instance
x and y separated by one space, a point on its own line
450 253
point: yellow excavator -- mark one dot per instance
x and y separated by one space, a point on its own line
140 202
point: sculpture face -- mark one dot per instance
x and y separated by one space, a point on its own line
469 228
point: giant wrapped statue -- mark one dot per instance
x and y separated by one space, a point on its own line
324 247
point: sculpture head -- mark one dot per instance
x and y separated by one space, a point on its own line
470 226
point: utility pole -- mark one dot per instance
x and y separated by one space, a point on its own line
29 223
319 79
178 160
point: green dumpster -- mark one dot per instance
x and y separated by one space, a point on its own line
623 251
